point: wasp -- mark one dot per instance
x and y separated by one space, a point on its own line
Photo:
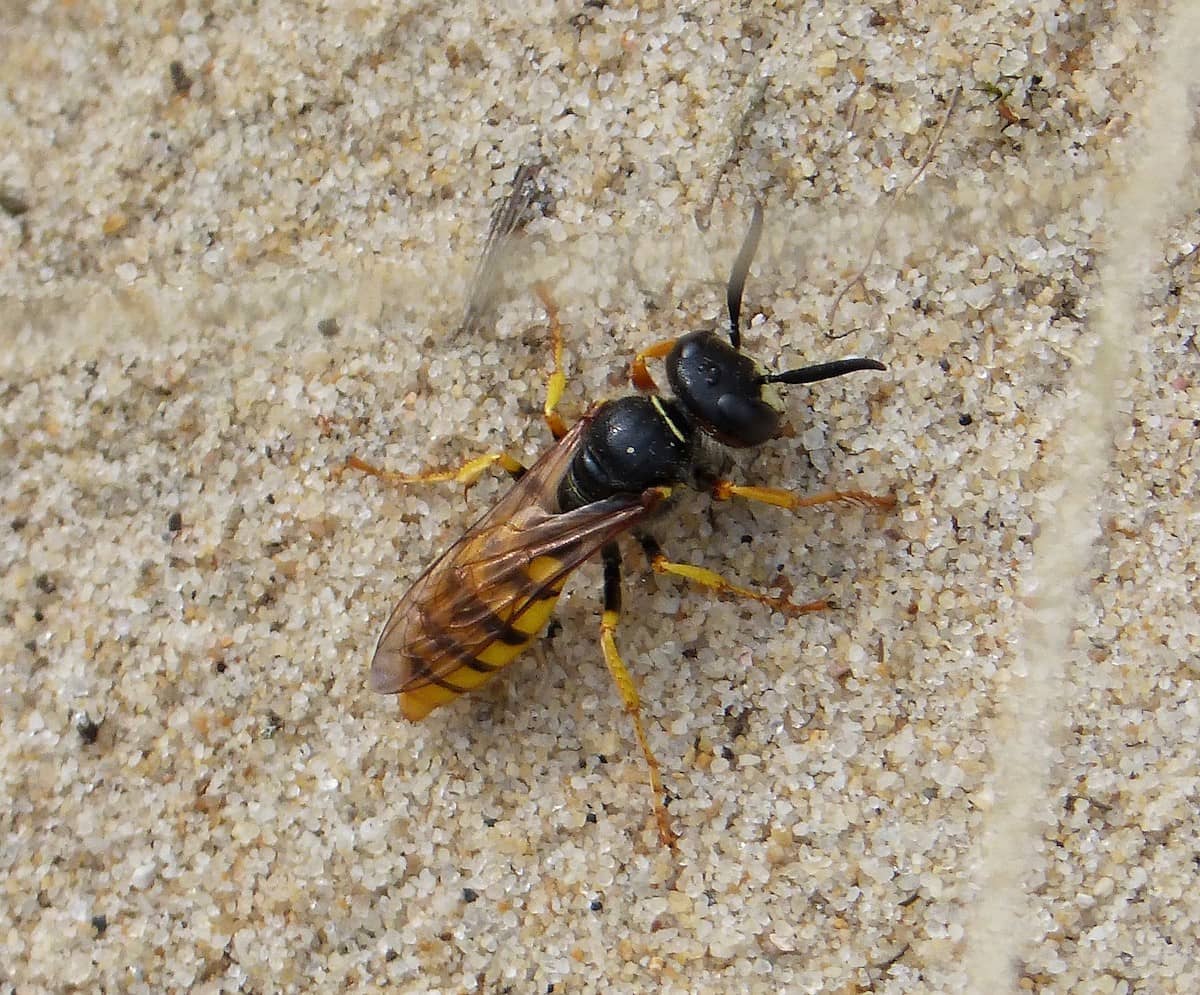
489 596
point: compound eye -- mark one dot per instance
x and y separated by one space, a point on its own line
748 420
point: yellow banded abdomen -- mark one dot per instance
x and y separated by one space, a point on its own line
496 642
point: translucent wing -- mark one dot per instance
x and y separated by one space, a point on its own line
527 198
489 583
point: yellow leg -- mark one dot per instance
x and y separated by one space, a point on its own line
467 474
470 472
625 686
556 383
723 490
639 376
715 582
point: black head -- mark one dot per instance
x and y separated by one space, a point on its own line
723 390
727 393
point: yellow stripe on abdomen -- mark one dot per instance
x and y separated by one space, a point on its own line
417 704
497 654
530 622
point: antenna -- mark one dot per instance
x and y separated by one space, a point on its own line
737 277
823 371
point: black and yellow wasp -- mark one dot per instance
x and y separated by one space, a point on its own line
489 595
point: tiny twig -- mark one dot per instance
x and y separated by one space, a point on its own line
928 157
753 106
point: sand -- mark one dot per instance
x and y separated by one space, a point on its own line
235 246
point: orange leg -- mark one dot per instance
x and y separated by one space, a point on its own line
715 582
723 490
639 376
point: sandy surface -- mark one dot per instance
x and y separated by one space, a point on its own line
234 247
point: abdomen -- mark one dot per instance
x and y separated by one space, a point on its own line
453 653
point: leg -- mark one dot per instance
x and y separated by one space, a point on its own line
467 474
639 376
714 581
624 681
473 469
723 490
557 381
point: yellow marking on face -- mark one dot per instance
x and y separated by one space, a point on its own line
770 396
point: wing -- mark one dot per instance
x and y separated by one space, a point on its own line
490 594
527 196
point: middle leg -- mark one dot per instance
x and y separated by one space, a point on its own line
723 490
715 582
